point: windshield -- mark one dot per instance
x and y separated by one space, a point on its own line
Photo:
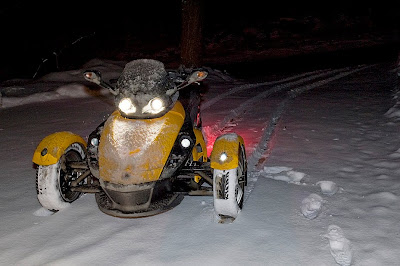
142 81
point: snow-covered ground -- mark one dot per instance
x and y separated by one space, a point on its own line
324 159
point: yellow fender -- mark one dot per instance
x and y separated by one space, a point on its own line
197 154
227 144
52 147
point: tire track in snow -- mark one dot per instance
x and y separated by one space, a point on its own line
233 90
293 90
263 147
221 126
263 144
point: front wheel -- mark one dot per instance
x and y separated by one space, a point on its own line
53 182
228 188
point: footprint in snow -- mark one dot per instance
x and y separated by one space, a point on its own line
311 206
328 187
283 173
340 246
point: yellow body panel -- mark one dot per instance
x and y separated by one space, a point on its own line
228 144
202 155
134 151
56 144
199 141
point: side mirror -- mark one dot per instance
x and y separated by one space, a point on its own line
95 77
195 77
92 76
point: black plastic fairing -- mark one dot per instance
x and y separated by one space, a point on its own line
179 154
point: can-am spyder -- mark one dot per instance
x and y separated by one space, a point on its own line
147 154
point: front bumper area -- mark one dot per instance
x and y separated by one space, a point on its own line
136 201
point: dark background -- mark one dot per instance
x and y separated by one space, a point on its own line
37 38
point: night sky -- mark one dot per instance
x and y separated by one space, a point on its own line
32 31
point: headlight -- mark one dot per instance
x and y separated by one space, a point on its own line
223 157
126 106
94 141
155 106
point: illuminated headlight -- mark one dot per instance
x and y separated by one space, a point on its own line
223 157
185 142
94 141
155 106
126 106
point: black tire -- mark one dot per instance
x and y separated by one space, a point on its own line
229 187
242 173
53 181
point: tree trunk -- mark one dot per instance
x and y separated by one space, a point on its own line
191 37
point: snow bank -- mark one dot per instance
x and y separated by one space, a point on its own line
67 91
59 85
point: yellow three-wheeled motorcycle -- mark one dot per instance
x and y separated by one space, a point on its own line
147 154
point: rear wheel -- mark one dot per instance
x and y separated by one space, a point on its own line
228 188
53 182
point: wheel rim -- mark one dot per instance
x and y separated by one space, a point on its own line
67 175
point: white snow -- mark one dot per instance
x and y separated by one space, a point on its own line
323 188
340 246
69 91
311 206
48 188
328 187
228 206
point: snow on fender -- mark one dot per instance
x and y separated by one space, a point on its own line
53 190
224 155
228 160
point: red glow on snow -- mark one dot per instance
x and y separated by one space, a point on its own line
210 136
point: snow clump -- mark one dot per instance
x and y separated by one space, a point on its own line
283 173
311 206
328 187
